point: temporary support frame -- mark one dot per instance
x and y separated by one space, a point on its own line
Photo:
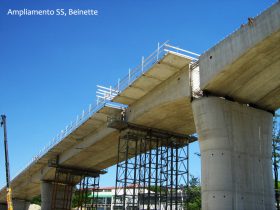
62 190
152 169
71 180
87 193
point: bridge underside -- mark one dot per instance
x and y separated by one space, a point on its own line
245 66
95 146
235 139
254 78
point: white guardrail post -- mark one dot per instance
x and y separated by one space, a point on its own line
142 65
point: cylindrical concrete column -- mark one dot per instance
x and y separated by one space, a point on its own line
63 196
46 195
20 204
235 146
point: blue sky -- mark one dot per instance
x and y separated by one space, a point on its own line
50 65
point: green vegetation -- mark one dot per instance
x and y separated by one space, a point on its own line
194 194
36 200
276 158
75 201
76 197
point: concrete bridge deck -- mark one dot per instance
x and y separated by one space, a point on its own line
244 67
94 146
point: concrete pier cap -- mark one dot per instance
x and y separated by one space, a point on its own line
235 146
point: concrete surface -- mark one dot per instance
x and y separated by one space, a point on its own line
235 145
246 65
46 195
167 106
94 146
28 207
20 204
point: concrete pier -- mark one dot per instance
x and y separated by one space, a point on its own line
235 139
235 146
21 204
46 195
63 197
17 204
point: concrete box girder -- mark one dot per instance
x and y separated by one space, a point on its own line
94 146
167 106
27 184
158 73
245 66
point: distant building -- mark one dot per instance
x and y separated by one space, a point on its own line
106 199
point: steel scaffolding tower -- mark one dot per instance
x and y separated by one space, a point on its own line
87 193
153 168
69 181
62 190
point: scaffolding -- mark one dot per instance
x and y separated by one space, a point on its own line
153 168
69 181
87 193
62 190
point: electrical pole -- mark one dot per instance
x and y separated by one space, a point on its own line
9 190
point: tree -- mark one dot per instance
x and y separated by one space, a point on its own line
276 157
194 194
36 200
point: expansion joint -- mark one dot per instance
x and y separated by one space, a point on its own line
206 93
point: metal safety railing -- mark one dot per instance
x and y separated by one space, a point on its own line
194 77
146 64
104 96
80 119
